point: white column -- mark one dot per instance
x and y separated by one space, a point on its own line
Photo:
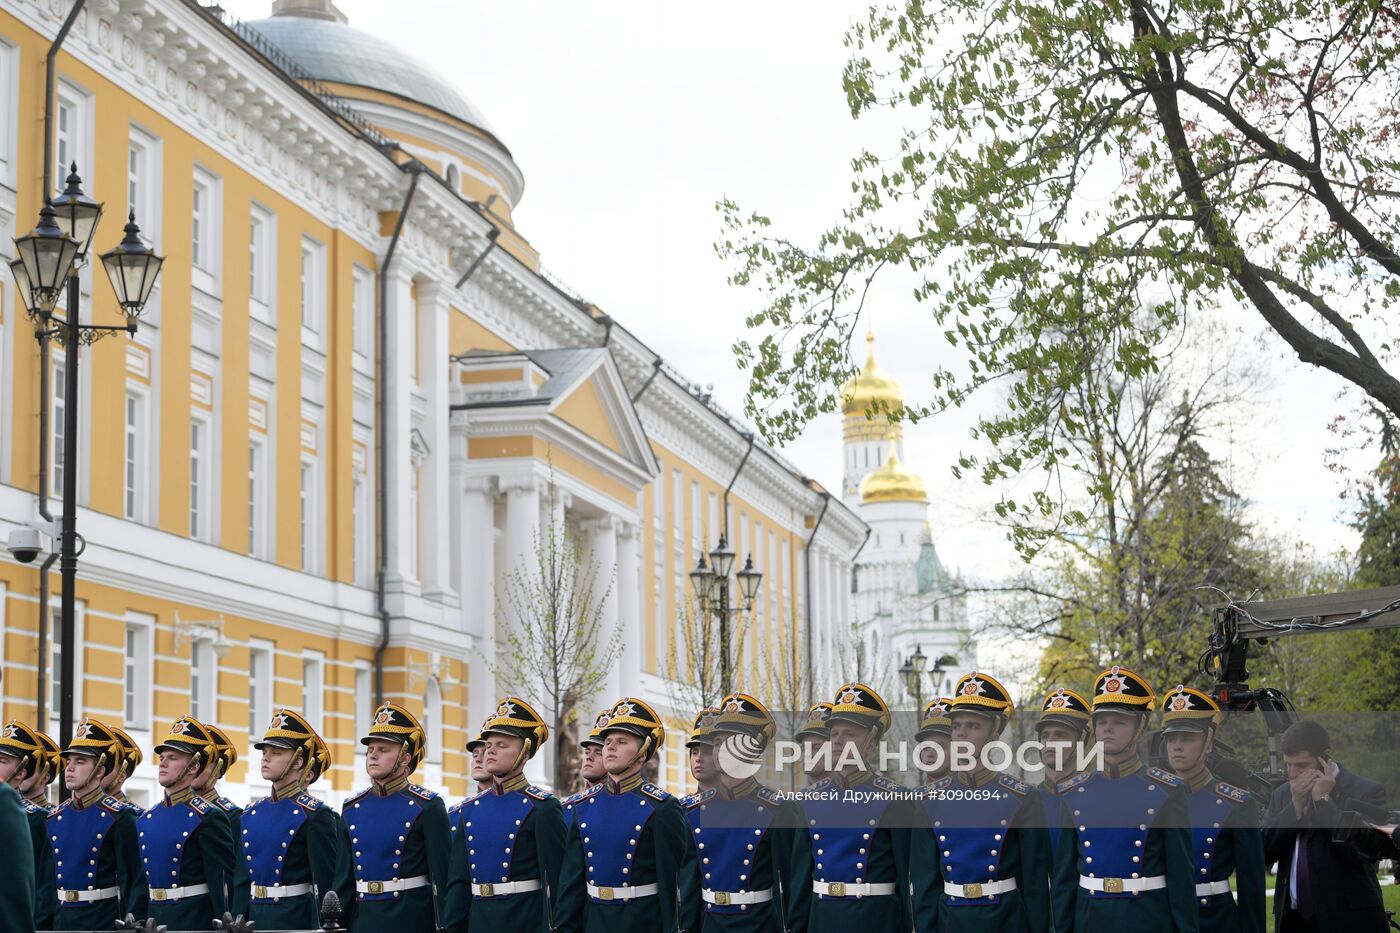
629 606
601 557
434 561
522 521
398 377
476 556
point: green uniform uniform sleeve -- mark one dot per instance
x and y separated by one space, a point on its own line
131 875
1251 874
242 876
550 831
437 847
344 883
322 851
1064 882
785 822
1175 823
573 893
17 894
45 874
217 849
1034 843
676 871
457 902
799 876
898 818
925 873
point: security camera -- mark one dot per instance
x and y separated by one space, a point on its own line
25 544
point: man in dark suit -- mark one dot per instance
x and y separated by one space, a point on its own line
1321 885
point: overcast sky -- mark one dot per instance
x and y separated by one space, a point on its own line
630 119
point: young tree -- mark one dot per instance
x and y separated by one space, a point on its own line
556 648
693 671
1062 165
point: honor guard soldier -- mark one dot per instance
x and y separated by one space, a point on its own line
17 894
399 832
288 842
131 759
225 757
1061 729
850 868
815 738
590 766
700 749
1124 856
27 763
743 831
982 861
934 739
93 835
628 858
1225 834
509 845
476 750
186 841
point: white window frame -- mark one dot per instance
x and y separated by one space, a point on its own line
145 149
359 528
307 492
313 688
138 671
9 111
257 496
136 454
432 722
57 388
364 700
72 137
55 651
362 315
204 680
205 254
262 676
201 476
313 292
262 265
415 520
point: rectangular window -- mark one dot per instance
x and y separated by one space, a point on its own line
260 692
9 95
313 291
136 466
137 680
359 531
362 313
258 530
56 415
308 516
205 211
65 137
364 700
262 263
414 523
55 683
198 488
143 187
203 677
313 688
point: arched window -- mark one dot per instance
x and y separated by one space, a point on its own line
432 721
452 178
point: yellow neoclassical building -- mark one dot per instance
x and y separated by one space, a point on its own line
354 400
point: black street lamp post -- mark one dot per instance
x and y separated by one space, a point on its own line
50 257
711 584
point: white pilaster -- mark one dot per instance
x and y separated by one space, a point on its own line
398 424
601 557
434 560
629 605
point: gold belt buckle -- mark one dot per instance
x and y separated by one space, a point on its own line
722 898
972 890
487 890
376 887
605 894
70 897
260 890
837 889
1113 886
157 894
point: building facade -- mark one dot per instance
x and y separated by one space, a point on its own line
903 599
291 382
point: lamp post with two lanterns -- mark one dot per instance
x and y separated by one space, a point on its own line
711 584
49 258
913 670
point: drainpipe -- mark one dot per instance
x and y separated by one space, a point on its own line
50 83
732 480
655 371
807 573
381 606
491 235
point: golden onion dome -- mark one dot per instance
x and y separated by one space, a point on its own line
872 385
893 483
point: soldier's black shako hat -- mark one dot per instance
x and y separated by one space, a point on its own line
817 723
702 732
95 739
515 717
745 714
288 729
20 741
860 704
636 716
1187 709
1119 689
595 735
1066 707
188 735
981 693
935 718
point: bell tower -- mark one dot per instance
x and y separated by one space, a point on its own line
866 430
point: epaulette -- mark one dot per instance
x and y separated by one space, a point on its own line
884 783
113 804
199 805
1164 777
309 802
1016 787
654 792
539 793
1237 794
32 807
582 795
130 807
942 783
697 798
228 806
822 784
350 800
768 795
1071 782
419 790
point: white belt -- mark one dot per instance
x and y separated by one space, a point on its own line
1207 888
389 887
178 894
985 889
505 887
84 897
275 891
1123 885
858 889
624 892
725 898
